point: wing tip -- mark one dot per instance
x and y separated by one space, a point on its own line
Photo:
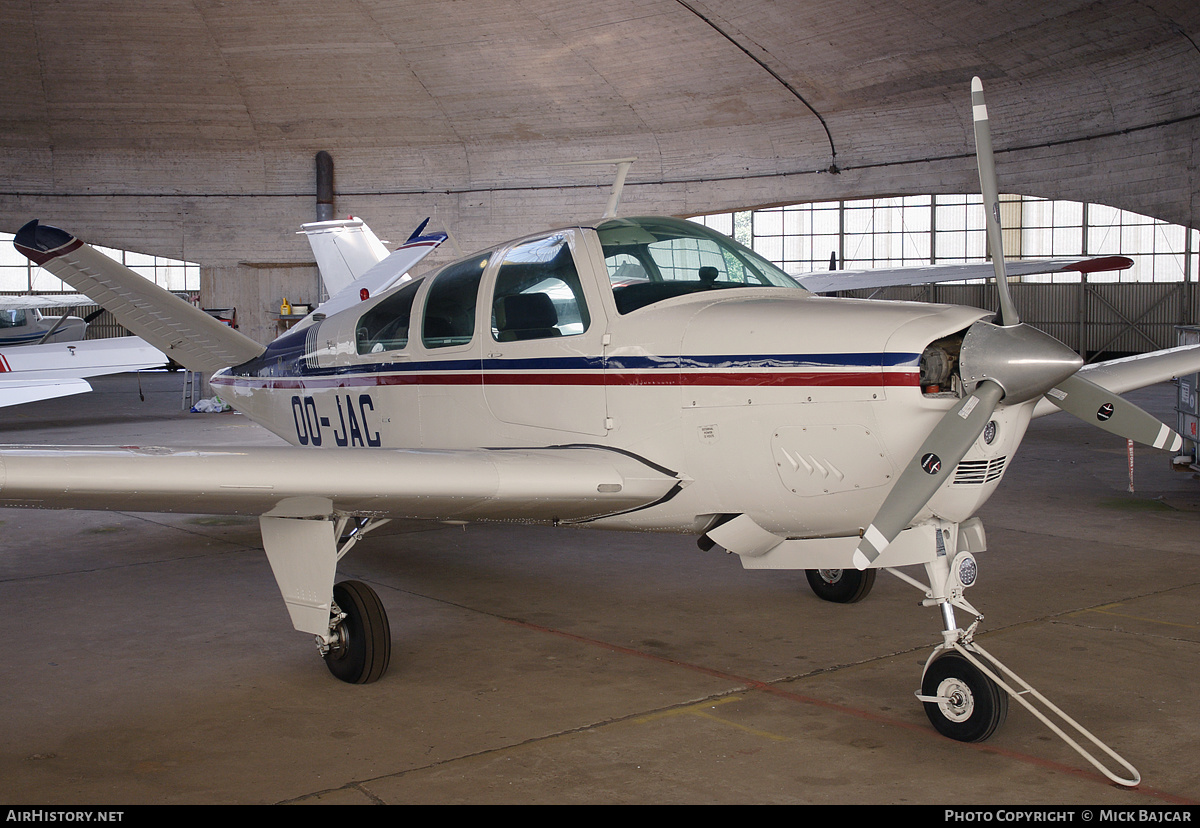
41 242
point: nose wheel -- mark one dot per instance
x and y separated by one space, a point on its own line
361 638
960 701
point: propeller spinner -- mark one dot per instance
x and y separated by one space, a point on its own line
1006 361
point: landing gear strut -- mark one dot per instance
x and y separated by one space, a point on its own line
965 690
304 540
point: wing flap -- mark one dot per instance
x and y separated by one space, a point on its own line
568 484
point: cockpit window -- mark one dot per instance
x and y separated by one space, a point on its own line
12 318
450 305
538 294
652 259
385 326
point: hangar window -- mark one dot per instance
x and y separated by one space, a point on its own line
450 305
19 275
1081 310
931 229
538 294
385 326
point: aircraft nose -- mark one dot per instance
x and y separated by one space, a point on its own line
1023 361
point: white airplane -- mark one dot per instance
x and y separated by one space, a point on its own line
643 374
43 357
22 323
58 369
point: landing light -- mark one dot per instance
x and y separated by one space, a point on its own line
965 570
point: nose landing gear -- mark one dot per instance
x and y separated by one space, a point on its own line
960 701
965 690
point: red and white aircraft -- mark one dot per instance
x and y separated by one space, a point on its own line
643 374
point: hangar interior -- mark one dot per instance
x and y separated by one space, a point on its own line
188 129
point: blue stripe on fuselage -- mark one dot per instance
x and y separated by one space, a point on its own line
285 358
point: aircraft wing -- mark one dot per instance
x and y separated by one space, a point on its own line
18 390
183 332
57 369
828 281
31 301
563 484
1139 371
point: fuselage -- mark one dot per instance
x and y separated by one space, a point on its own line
29 327
797 409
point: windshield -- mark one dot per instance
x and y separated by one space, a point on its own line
652 259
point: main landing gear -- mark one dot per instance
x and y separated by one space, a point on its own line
360 637
304 540
841 586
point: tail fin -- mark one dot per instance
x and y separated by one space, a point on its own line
344 249
185 333
385 273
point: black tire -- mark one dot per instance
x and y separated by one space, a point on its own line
841 586
975 704
364 638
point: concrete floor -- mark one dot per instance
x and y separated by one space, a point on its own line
155 663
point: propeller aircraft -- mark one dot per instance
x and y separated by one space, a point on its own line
43 357
22 323
636 373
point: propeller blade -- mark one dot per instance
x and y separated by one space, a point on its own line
991 200
929 468
1104 409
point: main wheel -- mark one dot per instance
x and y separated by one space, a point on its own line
970 705
362 644
841 586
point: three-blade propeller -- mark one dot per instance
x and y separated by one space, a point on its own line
1007 362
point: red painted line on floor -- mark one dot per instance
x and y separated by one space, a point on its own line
811 701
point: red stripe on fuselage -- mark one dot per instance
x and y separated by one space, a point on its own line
781 379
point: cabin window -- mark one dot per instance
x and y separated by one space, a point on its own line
450 306
538 294
385 326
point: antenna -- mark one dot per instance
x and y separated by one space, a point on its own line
614 198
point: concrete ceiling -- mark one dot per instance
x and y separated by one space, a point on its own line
188 127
